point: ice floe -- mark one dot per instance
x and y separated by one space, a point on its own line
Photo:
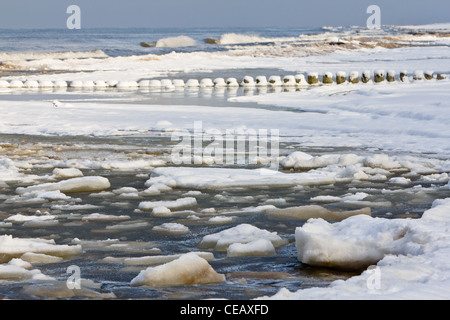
188 269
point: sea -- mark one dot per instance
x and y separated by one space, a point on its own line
127 42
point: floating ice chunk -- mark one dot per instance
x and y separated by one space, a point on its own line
152 260
381 161
315 211
22 218
172 228
188 269
354 243
14 272
84 184
220 220
15 247
32 257
176 204
400 181
53 195
125 190
242 233
325 199
213 178
104 217
67 173
259 247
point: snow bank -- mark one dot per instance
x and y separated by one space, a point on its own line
75 185
411 256
243 233
189 269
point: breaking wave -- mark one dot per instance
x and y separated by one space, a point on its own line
180 41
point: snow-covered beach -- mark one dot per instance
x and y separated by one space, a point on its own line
357 207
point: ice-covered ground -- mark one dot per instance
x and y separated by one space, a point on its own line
397 132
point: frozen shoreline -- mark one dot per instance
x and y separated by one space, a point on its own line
399 131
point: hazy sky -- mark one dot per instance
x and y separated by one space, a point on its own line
223 13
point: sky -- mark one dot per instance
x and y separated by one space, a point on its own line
33 14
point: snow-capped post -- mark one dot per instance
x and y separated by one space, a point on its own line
340 77
74 21
313 78
261 81
365 78
327 78
418 75
374 21
353 77
429 75
390 76
379 76
275 81
300 79
403 76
